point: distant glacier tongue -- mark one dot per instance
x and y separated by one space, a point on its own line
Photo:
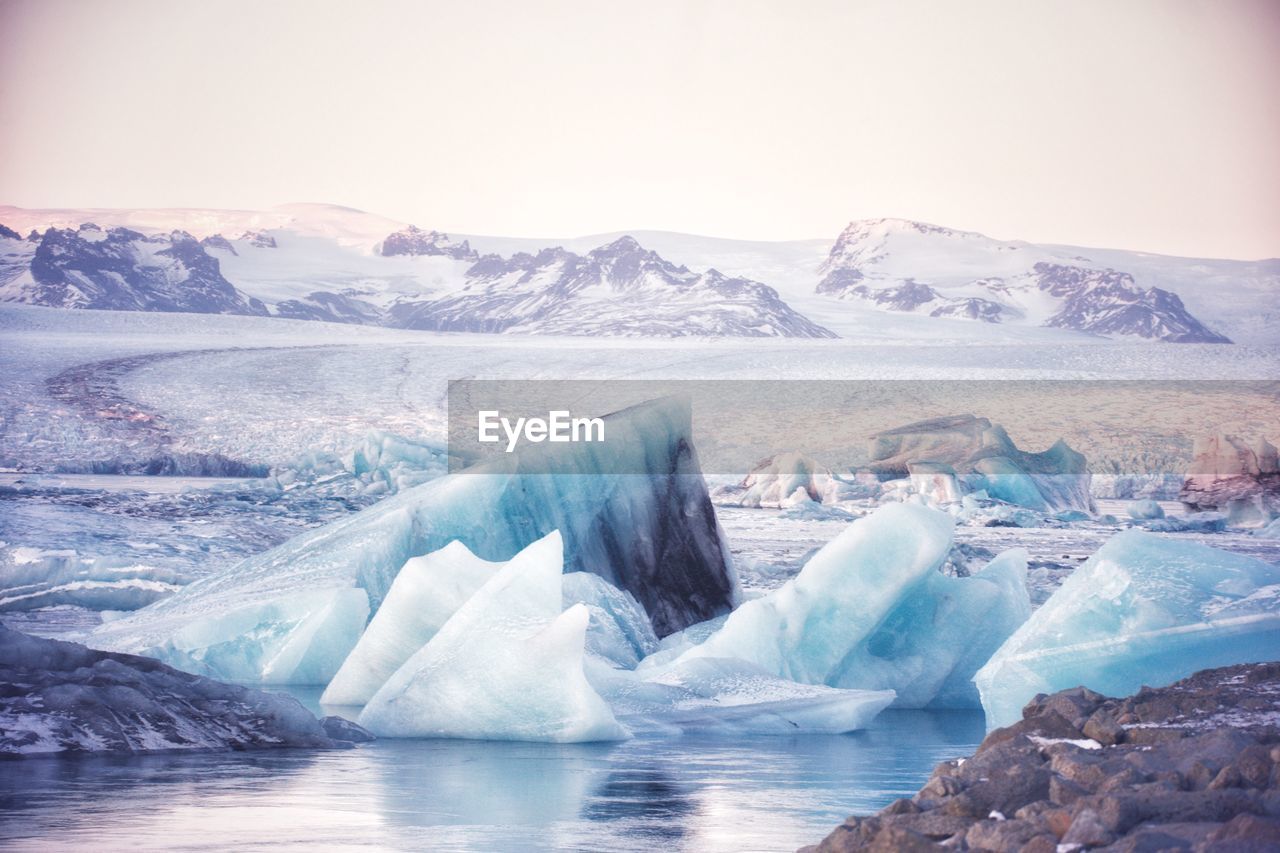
654 535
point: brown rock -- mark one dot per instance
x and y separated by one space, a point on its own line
1002 835
1245 832
902 806
1103 728
1088 830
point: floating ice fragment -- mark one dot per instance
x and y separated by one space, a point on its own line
1142 610
508 665
872 611
426 592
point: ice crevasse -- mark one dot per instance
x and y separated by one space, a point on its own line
1143 609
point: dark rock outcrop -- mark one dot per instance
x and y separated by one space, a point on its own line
8 233
1192 766
124 270
414 241
1108 302
58 697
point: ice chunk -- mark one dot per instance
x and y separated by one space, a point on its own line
508 665
381 463
654 535
297 640
619 630
789 479
985 458
871 610
426 592
1271 531
731 697
1145 509
1142 610
936 481
31 578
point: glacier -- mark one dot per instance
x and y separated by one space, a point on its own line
654 535
508 665
1142 610
872 611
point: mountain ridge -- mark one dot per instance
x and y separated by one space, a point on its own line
315 261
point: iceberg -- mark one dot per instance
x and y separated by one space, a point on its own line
872 611
426 592
1145 509
1142 610
293 640
32 578
725 696
508 665
618 631
982 457
380 463
789 479
654 535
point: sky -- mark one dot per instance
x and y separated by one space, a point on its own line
1137 124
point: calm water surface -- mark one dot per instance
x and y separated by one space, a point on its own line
708 794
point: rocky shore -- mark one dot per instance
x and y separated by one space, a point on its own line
1192 766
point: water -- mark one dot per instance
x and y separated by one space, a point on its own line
708 794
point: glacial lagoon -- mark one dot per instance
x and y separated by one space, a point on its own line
689 793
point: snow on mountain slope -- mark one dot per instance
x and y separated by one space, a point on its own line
881 277
912 266
123 270
618 289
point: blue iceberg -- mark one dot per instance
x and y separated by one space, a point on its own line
872 611
652 534
1142 610
508 665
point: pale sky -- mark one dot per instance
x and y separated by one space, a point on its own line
1144 125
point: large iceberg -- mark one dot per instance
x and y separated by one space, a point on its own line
1142 610
652 534
508 665
984 458
872 611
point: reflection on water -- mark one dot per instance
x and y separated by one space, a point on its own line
764 793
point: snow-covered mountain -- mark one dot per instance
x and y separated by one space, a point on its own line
119 269
899 265
618 289
881 278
